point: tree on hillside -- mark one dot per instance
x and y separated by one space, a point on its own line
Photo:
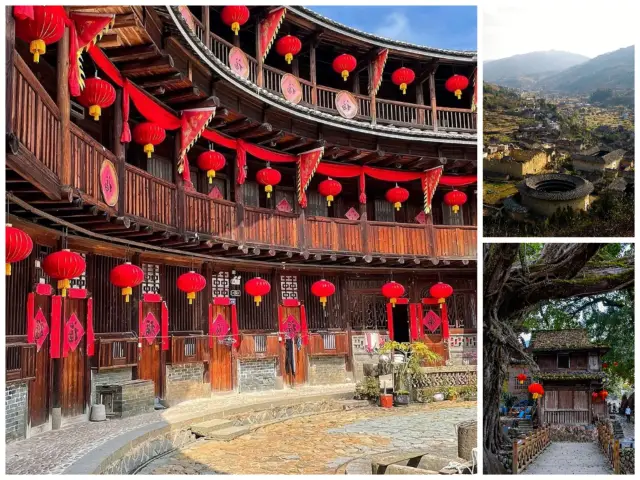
517 280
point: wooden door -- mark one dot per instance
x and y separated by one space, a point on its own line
290 314
39 388
429 319
150 351
221 358
74 361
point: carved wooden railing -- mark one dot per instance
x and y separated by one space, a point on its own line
20 362
150 197
526 450
456 119
402 239
269 227
259 346
116 353
328 343
334 234
210 216
455 241
403 113
567 417
188 349
610 446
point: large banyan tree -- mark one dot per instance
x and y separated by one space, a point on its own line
518 278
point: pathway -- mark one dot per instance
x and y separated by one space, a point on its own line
568 458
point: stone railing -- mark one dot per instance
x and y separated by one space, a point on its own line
526 450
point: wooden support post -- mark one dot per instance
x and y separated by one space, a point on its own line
432 94
312 73
364 228
206 26
260 73
356 83
178 180
295 68
207 272
372 95
64 105
239 199
514 466
119 150
9 54
134 312
302 228
420 101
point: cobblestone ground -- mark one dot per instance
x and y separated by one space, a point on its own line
52 452
569 458
319 444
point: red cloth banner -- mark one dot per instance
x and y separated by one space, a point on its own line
390 320
235 331
194 122
73 332
56 325
413 323
305 328
269 29
430 181
210 322
165 326
91 338
31 321
378 69
445 322
220 139
22 12
307 164
280 319
458 180
125 135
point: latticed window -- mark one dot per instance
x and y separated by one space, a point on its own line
151 282
289 287
369 312
220 284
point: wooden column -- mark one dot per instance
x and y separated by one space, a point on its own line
119 150
207 296
302 228
356 83
206 26
372 95
64 104
420 101
260 73
364 228
239 199
432 94
9 53
134 311
312 73
179 184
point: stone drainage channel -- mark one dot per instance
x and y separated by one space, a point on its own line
315 437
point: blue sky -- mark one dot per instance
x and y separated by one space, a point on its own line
453 27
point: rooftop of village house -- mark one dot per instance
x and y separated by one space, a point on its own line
568 339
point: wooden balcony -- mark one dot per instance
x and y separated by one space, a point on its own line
20 362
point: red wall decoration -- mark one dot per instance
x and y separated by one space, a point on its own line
291 89
238 62
109 183
346 104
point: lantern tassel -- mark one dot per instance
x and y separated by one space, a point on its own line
323 301
458 93
455 208
268 189
95 111
288 57
127 291
257 299
148 149
191 296
393 302
37 47
235 26
397 205
345 75
211 174
7 268
64 284
329 199
403 87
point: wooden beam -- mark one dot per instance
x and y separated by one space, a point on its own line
110 40
159 80
125 20
256 131
129 54
142 67
236 125
292 145
271 139
181 96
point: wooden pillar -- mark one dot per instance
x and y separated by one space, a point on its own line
206 26
179 184
207 297
239 199
9 54
260 73
312 73
119 150
420 101
372 95
64 105
432 94
236 40
364 227
134 312
356 83
302 228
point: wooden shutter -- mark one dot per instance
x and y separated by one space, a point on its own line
384 211
449 218
160 167
251 194
317 205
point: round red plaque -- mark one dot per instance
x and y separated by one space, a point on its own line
109 183
346 104
238 62
291 89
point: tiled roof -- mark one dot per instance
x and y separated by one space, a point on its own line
569 339
569 375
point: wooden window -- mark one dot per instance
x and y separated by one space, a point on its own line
594 362
450 218
151 283
251 194
189 347
160 167
565 399
563 361
384 211
317 205
288 287
329 341
260 343
220 284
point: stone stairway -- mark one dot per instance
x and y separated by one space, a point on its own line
618 433
525 426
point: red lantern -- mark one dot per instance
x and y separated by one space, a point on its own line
63 266
536 390
456 84
126 276
393 291
235 16
604 394
344 64
148 134
403 77
441 291
191 283
288 46
605 365
397 195
521 378
47 27
211 161
454 199
97 94
268 177
330 189
323 289
594 396
18 246
257 287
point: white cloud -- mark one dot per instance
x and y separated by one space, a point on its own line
396 26
589 29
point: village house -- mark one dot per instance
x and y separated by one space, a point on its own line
518 164
597 159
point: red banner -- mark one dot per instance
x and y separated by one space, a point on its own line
90 333
458 180
305 328
307 164
390 320
31 321
430 181
56 325
378 69
194 122
165 327
269 29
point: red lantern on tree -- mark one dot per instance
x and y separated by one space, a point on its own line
594 396
257 287
235 16
454 199
521 378
330 189
148 134
603 394
18 246
536 390
63 266
191 283
288 46
393 291
403 77
211 161
126 276
47 27
605 365
344 64
441 291
97 94
268 177
397 195
456 84
323 289
615 364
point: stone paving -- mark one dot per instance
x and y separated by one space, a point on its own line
627 428
569 458
52 452
320 444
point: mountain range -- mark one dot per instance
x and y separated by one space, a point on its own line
564 72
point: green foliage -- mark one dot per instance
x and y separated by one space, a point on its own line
508 400
415 354
460 393
368 388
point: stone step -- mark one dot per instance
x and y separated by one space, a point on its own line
205 429
229 433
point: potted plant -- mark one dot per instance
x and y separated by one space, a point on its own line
401 397
452 394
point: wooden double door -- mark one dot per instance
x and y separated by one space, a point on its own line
221 359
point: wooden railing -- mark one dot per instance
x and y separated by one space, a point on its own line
20 362
259 346
210 216
150 197
610 445
403 113
320 344
399 239
268 227
526 450
188 349
456 119
455 241
116 353
567 417
334 234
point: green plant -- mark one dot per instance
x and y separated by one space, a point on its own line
451 393
402 392
414 355
368 389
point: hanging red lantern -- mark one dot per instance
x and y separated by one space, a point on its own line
235 16
47 27
441 291
397 195
594 396
64 266
323 289
403 77
456 84
344 64
257 287
97 94
393 291
604 394
18 246
191 283
455 199
288 46
268 177
148 134
330 189
536 390
211 161
521 378
126 276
